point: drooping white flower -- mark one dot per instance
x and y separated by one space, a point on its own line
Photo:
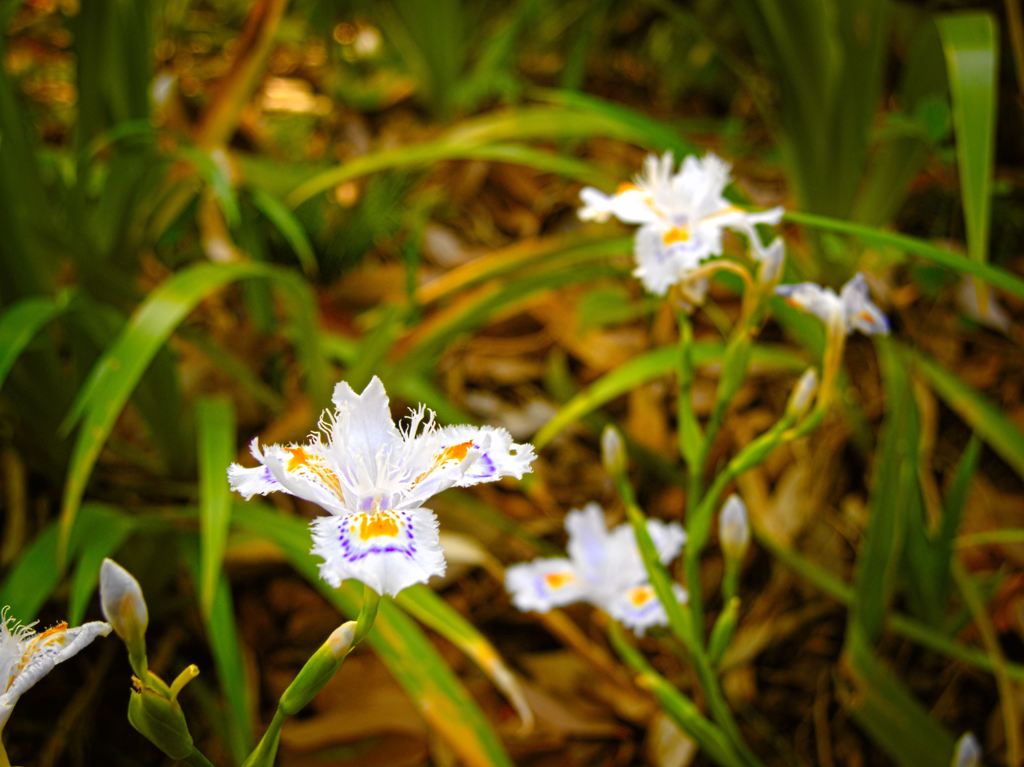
851 310
27 656
604 568
681 216
373 477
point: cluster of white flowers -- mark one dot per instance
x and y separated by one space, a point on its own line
604 568
26 656
682 216
373 477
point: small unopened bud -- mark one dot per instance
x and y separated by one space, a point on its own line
318 670
803 394
613 454
125 609
967 752
772 260
734 528
723 630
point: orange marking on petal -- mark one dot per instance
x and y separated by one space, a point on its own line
453 453
299 458
675 234
626 187
377 525
558 580
640 596
866 316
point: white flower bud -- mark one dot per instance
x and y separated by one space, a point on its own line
967 752
613 454
803 394
734 528
125 609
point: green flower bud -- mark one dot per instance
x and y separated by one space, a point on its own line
125 609
318 670
724 628
159 718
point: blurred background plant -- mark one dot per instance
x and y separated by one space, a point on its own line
213 210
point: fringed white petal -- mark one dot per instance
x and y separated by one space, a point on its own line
819 301
860 313
255 481
43 651
638 607
386 550
307 472
544 584
362 424
495 454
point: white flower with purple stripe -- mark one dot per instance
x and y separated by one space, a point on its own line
373 477
850 310
27 656
681 215
604 568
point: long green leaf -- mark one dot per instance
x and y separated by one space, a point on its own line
986 419
101 534
115 375
1000 278
646 367
412 660
895 496
226 646
19 325
215 428
971 45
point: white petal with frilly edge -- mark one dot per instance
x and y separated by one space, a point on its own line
385 549
639 608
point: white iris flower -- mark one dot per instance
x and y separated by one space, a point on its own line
604 568
850 310
681 217
27 656
373 477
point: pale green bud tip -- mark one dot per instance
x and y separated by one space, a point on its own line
340 641
122 601
967 752
803 393
734 528
613 454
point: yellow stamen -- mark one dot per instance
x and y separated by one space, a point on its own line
626 187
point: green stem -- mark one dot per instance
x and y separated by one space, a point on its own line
680 708
680 621
731 579
367 614
266 750
4 760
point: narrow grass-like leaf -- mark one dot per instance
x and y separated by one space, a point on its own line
101 534
226 646
646 367
278 214
971 46
999 278
19 325
983 416
431 610
889 714
894 488
518 124
215 430
116 374
412 660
